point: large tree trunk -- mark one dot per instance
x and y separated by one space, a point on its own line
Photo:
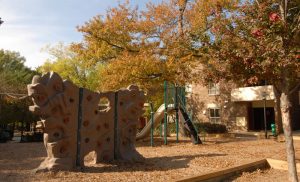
278 117
182 6
286 121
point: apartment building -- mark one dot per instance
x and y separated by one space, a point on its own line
238 108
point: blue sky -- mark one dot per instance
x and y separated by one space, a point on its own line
30 25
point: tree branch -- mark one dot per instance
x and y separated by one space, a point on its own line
112 44
257 2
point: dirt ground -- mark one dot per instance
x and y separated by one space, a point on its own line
163 163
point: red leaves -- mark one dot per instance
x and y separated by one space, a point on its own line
274 17
257 33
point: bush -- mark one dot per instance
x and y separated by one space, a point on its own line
33 137
4 136
200 127
210 128
171 129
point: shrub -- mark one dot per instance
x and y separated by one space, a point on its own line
210 127
200 127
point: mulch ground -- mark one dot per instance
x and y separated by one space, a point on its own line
163 163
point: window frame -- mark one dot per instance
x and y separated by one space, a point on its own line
213 88
216 118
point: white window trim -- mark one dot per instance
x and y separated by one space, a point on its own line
189 88
214 119
213 88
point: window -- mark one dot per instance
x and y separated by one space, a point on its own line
214 115
213 89
189 88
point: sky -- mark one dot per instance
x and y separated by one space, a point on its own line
31 25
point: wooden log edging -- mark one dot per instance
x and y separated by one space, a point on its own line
222 174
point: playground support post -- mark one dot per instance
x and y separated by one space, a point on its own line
152 120
79 117
265 119
183 96
166 112
176 112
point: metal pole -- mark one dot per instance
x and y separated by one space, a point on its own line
265 119
166 112
152 120
176 113
183 96
79 122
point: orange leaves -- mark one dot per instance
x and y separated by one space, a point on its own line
131 69
105 38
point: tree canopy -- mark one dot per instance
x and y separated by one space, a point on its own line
69 66
148 40
14 77
255 41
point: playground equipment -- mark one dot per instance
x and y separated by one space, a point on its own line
75 125
158 116
174 100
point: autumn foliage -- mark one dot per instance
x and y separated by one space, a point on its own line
182 41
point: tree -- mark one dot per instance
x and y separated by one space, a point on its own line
254 41
135 46
150 35
69 66
14 76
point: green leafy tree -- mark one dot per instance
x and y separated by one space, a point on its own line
69 66
14 77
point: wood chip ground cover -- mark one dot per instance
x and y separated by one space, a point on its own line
268 175
163 163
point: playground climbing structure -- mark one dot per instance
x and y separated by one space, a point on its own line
75 124
174 102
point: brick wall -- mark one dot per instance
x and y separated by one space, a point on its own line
233 115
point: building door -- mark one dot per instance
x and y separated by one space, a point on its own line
258 118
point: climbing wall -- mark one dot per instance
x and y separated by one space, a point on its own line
130 108
77 121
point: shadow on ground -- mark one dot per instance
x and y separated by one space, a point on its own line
159 141
150 164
